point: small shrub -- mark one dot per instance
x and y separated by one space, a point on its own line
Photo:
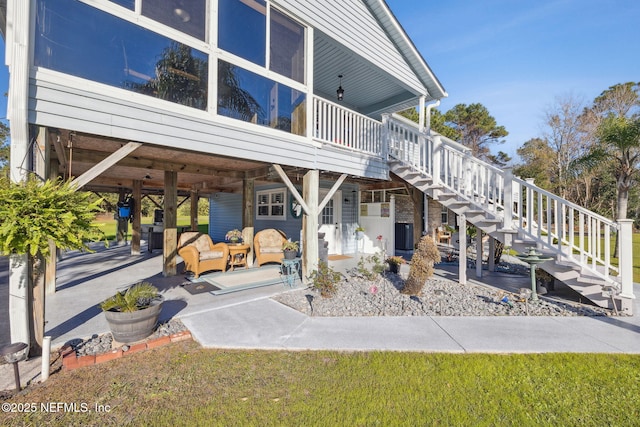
370 267
325 280
422 262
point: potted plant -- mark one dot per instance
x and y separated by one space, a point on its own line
132 314
394 263
290 249
233 236
359 233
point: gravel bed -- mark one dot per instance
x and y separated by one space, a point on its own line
99 344
357 296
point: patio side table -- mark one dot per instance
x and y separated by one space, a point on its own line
290 271
238 255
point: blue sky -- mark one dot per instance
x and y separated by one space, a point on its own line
516 57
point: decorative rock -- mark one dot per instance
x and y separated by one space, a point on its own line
354 298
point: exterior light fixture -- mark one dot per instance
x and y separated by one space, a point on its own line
340 91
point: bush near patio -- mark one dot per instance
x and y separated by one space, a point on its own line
424 258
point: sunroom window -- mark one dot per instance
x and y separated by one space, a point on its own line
80 40
242 30
188 16
250 97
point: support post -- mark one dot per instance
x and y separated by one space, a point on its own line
492 254
310 190
462 249
17 56
478 253
136 226
625 228
507 220
170 251
194 199
437 163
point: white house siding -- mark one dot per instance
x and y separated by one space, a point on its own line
352 24
66 106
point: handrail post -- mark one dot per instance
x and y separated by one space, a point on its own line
436 157
507 220
625 237
384 146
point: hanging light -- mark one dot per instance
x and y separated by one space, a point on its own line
340 91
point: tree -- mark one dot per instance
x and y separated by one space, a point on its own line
475 128
619 146
612 122
470 125
538 162
565 135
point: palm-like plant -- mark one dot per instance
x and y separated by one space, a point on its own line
137 297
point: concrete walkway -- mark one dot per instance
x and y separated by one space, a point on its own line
252 320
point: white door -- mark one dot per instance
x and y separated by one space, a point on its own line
330 221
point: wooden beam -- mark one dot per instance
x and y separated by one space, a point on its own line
331 192
91 156
292 188
170 247
195 198
248 196
136 228
105 164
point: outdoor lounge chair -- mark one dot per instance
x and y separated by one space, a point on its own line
200 254
267 245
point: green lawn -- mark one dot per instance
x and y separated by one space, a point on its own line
109 226
183 384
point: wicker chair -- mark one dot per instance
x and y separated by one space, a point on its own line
267 245
200 254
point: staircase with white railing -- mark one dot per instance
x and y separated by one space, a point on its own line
518 213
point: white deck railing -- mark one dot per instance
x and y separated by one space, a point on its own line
346 128
555 224
572 231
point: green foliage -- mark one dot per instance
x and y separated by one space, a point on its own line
289 245
538 158
135 298
34 212
325 280
370 267
476 128
424 258
5 149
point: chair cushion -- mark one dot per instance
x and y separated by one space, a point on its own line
270 249
205 255
270 239
202 243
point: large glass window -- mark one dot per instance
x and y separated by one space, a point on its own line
188 16
242 29
250 97
77 39
287 47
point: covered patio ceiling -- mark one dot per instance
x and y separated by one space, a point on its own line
75 153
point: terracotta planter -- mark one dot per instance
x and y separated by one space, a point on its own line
135 325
